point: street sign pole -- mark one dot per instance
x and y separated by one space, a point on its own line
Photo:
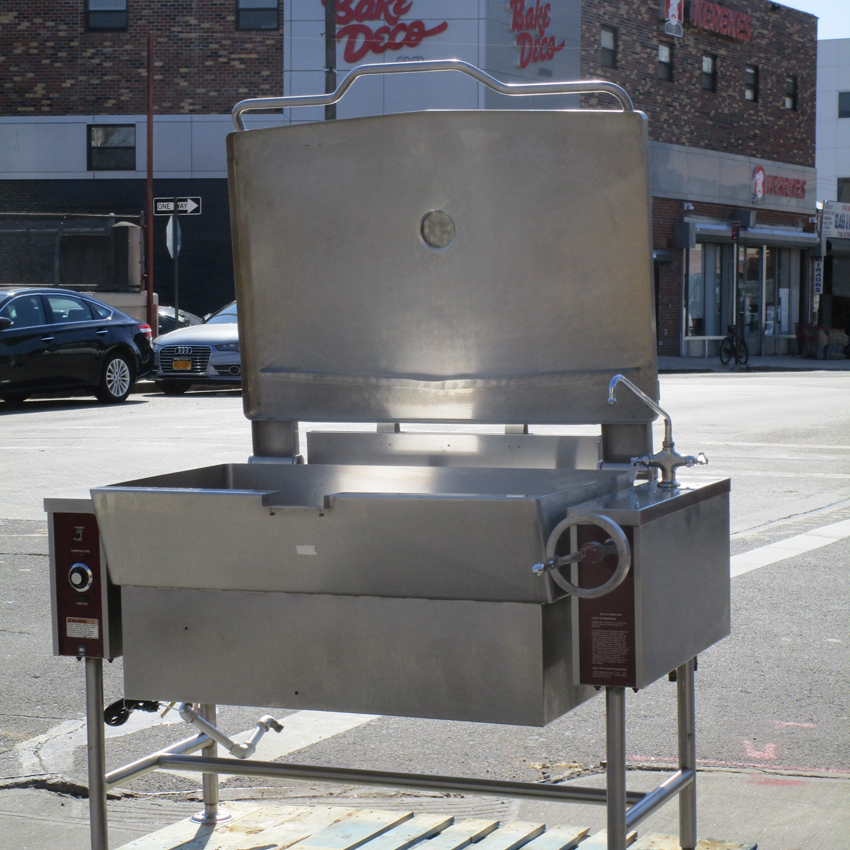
173 241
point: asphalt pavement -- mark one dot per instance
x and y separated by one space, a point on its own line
773 733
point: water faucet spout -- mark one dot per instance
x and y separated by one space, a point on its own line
668 460
668 422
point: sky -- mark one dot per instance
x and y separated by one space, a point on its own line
833 15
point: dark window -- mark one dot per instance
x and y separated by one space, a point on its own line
608 45
844 104
99 311
112 147
25 312
709 73
790 92
751 83
257 15
665 62
106 14
65 308
843 196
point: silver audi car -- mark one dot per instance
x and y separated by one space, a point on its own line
205 354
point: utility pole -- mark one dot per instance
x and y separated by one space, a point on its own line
152 319
330 56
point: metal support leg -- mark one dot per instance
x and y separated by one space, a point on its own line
212 812
96 742
615 741
687 754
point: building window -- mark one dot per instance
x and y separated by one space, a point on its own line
608 44
790 92
110 15
844 104
842 194
708 274
665 62
112 147
709 73
257 15
751 83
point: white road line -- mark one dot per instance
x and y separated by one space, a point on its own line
53 752
789 548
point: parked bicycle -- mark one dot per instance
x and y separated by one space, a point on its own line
734 345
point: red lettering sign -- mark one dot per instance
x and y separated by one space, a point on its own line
531 24
772 184
785 187
721 20
360 38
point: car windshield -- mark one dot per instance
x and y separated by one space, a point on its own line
225 315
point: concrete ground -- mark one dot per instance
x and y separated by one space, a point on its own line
740 807
746 804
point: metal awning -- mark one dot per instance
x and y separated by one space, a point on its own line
778 236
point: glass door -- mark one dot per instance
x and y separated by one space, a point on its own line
750 267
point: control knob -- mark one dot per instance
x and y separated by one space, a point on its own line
80 576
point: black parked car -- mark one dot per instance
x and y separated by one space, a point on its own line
56 340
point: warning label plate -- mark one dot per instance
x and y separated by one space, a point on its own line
76 627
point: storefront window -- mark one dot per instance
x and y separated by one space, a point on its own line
696 293
787 302
705 290
749 297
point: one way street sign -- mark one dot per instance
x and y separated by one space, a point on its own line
185 206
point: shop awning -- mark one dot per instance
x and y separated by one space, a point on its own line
778 236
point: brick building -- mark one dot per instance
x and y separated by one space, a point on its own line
730 98
73 82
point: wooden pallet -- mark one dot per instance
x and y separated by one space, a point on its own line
264 826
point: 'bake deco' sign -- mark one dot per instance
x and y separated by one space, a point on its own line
530 22
377 26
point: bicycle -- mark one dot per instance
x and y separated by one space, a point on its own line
734 345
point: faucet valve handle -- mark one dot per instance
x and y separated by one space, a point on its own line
699 460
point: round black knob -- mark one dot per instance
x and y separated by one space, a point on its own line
80 576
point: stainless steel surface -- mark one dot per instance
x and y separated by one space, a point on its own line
275 439
459 275
212 812
615 766
677 783
379 327
96 753
668 460
491 662
241 750
686 711
145 765
427 532
680 566
527 451
620 545
423 782
521 89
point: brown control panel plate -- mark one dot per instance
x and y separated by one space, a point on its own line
79 585
607 624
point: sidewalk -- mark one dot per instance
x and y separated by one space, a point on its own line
777 363
685 365
776 811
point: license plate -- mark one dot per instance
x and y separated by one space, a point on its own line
181 365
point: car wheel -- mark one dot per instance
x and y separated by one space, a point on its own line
116 379
174 387
14 399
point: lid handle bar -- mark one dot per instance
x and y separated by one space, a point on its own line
515 89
